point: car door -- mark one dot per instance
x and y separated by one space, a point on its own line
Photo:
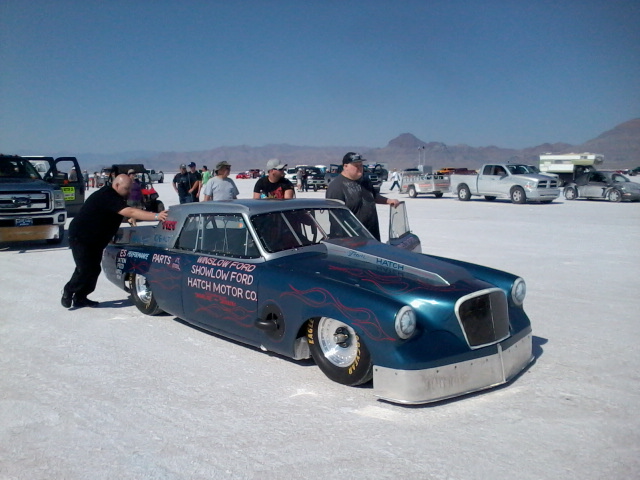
595 187
399 231
489 180
220 277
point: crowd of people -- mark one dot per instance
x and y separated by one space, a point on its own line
101 215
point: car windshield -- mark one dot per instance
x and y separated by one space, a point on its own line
289 229
16 167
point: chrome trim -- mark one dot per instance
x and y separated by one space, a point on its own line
440 383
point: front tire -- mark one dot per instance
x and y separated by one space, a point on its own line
518 196
464 193
338 351
570 193
614 196
142 295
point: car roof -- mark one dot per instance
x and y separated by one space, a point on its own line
252 206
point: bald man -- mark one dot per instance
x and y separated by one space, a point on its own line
89 233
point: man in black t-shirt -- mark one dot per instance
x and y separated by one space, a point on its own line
274 184
358 193
185 184
89 233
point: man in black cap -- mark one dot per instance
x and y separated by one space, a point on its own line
357 192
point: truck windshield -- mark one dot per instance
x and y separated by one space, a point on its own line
15 167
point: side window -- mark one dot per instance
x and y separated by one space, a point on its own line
488 170
188 239
227 235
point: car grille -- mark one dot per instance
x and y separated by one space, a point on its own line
484 317
547 184
19 203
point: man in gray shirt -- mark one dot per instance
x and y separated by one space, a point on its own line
221 187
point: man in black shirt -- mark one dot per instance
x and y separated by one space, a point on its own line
357 193
274 184
89 233
185 184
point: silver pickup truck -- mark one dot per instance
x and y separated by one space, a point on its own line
514 181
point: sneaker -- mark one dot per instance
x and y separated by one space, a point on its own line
66 299
84 302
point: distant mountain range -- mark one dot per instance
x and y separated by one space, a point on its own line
620 146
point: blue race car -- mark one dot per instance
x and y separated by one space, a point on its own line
304 278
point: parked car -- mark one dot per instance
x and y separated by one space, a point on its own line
303 278
612 186
157 177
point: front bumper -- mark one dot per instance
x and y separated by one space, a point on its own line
542 194
440 383
34 232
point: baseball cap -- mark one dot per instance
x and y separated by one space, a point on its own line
221 164
192 164
182 165
352 157
131 170
275 163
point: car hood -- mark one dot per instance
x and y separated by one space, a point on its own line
24 184
371 265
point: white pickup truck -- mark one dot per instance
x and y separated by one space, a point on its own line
514 181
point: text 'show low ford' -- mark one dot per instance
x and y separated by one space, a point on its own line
304 278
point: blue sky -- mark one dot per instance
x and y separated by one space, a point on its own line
112 76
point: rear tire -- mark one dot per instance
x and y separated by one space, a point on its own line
614 196
464 193
412 191
142 295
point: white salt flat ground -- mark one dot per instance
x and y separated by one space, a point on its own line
110 393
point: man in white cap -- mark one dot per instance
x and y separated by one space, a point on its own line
221 187
274 184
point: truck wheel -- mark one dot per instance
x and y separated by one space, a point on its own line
489 198
614 196
464 193
338 351
518 195
142 295
412 191
570 193
438 194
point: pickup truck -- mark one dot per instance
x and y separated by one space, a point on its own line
30 208
506 180
414 183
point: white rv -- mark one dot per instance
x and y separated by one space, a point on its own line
569 165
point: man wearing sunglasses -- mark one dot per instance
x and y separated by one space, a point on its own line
357 192
274 184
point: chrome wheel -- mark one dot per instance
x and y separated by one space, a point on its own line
338 342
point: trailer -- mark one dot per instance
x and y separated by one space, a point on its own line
414 183
569 166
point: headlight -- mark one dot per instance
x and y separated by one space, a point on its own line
58 199
518 291
405 322
531 185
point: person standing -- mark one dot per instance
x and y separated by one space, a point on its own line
357 192
73 175
274 184
395 179
89 233
221 187
135 195
183 184
195 191
206 175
